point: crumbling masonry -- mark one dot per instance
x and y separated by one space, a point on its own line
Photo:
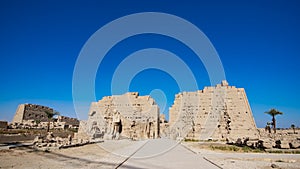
217 113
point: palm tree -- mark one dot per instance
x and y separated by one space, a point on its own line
50 115
273 113
293 127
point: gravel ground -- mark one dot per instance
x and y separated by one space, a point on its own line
235 160
102 155
78 157
111 153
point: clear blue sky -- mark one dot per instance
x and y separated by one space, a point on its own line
258 43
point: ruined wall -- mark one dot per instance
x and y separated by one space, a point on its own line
139 116
35 116
18 118
3 124
289 138
26 112
68 120
220 112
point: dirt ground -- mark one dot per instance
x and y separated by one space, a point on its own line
94 156
88 156
237 160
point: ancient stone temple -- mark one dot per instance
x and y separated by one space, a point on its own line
218 113
35 116
127 116
31 112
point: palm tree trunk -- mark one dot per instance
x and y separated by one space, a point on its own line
48 128
274 124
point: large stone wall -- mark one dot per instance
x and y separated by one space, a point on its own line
34 116
138 117
68 120
220 112
31 112
3 124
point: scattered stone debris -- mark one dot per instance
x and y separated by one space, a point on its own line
282 139
52 142
274 166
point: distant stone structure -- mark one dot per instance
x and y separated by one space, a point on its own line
64 122
28 112
128 116
34 116
3 124
283 138
214 113
163 126
221 112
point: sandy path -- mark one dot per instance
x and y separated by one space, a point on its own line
166 154
106 155
111 153
88 156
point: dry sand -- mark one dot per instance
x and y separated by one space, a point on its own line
94 156
88 156
236 160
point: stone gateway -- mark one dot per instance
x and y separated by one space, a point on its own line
214 113
217 113
127 116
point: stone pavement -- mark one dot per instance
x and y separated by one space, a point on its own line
164 154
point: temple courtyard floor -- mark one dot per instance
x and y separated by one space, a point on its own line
158 153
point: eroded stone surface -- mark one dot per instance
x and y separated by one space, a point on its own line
220 112
35 116
129 116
